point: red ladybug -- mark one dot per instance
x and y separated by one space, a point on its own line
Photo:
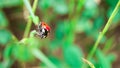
43 30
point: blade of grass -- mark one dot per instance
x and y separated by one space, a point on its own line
104 30
88 62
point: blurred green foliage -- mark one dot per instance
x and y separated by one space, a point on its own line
3 20
72 56
9 3
5 36
59 6
72 22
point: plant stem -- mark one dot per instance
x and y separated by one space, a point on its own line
38 54
104 30
34 18
29 22
88 62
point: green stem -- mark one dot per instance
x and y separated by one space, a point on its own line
88 62
104 30
37 53
34 18
29 22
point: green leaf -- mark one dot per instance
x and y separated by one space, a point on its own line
9 3
73 56
8 54
3 20
108 44
5 36
8 50
22 52
102 60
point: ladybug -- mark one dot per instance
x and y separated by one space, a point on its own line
43 30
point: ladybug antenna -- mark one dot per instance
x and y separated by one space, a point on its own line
39 25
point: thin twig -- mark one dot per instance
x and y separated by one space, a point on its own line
104 30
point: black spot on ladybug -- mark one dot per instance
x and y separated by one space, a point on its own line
43 33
